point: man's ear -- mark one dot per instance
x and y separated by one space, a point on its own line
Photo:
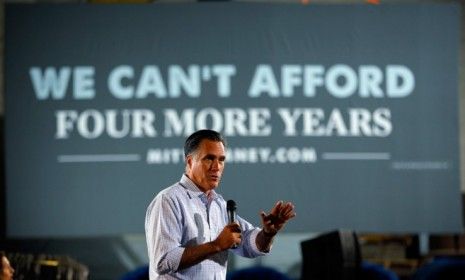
189 161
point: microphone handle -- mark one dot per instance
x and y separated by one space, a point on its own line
231 218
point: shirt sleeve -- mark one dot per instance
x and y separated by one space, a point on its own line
248 247
164 233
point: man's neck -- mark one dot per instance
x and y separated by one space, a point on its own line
207 192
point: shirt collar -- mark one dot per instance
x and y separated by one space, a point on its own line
193 190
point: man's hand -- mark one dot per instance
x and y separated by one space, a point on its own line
229 236
277 218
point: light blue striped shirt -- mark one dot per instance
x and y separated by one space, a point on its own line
181 216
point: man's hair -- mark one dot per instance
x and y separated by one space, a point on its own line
193 141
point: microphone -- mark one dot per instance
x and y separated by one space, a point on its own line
231 209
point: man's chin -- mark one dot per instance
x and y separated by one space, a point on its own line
215 184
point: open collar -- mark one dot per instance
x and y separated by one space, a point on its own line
194 191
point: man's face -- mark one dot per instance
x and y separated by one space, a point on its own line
205 166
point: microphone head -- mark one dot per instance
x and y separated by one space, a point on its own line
231 205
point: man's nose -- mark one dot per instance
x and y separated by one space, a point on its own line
215 165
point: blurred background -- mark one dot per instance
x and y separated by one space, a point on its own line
353 110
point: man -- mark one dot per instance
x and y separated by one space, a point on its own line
186 226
